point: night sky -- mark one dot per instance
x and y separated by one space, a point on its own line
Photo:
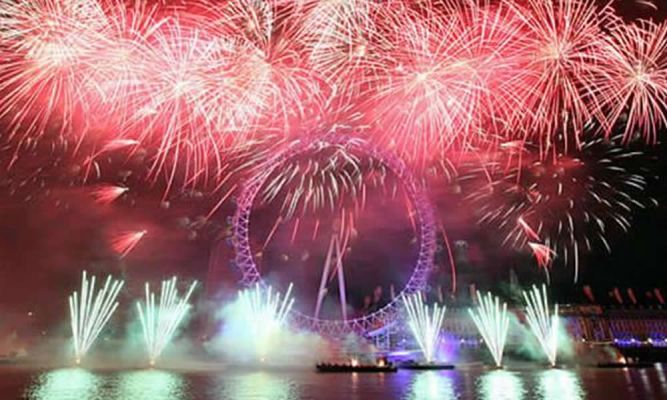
51 228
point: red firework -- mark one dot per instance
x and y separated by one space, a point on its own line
108 193
125 242
197 83
562 44
633 85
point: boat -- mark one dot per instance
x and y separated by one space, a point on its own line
353 367
426 367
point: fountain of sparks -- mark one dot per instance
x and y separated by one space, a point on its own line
90 311
543 325
160 321
492 322
265 312
425 325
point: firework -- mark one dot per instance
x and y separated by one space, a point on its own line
492 322
45 46
108 193
321 181
265 312
425 326
543 325
124 243
562 44
633 86
543 254
90 311
563 205
160 321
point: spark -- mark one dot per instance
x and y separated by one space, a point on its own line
124 243
543 325
265 311
90 311
492 323
161 321
425 325
108 193
543 254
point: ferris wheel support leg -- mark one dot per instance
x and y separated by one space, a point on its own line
323 281
341 280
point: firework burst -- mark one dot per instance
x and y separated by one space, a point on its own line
633 85
563 205
45 47
563 48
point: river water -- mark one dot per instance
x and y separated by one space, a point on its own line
467 383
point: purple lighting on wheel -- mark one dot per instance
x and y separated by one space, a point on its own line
245 262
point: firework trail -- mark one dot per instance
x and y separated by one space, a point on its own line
425 326
265 312
160 321
564 205
492 322
543 325
125 242
108 193
90 311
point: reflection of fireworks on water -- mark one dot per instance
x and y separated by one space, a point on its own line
570 203
160 321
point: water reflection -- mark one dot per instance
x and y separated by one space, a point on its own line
500 385
558 384
65 384
258 385
151 385
431 385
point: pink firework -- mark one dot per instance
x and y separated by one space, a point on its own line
275 91
543 254
633 85
125 242
108 193
347 42
45 47
438 90
562 46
